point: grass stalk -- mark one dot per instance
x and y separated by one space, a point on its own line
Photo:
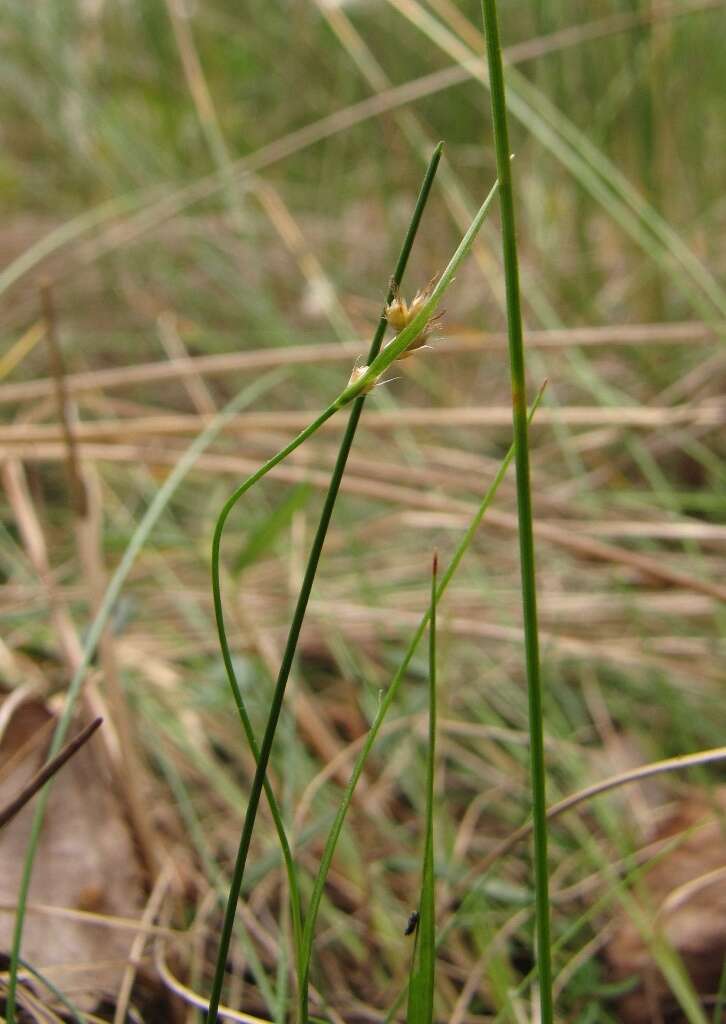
262 754
524 505
421 984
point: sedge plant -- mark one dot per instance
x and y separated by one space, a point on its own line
362 380
262 755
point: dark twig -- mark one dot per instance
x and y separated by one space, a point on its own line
47 772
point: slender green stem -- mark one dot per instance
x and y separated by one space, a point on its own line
431 764
427 924
422 976
524 505
263 754
383 708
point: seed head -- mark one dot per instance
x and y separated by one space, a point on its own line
400 313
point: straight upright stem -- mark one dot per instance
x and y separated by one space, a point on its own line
524 505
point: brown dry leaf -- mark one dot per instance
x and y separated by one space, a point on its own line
86 861
687 888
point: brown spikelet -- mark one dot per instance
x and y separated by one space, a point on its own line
401 313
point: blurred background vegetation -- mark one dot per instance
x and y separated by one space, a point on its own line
213 179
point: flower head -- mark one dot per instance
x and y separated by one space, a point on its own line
400 313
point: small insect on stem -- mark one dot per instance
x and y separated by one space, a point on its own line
412 924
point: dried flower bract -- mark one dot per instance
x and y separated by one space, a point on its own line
400 313
358 372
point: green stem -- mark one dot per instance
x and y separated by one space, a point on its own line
263 754
524 505
423 962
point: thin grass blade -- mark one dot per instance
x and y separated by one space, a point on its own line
421 983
